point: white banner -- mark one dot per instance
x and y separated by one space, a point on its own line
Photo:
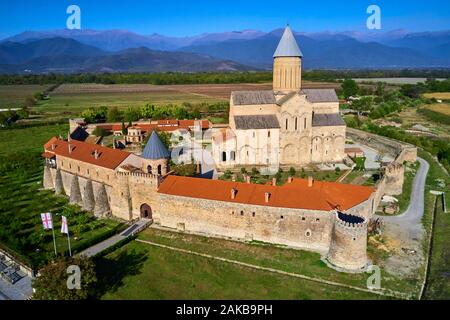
64 225
47 220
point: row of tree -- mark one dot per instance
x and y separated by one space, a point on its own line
211 77
148 111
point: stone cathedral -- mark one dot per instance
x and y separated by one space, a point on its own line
286 126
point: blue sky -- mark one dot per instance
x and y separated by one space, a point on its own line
180 18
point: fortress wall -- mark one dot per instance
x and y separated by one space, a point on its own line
269 224
395 148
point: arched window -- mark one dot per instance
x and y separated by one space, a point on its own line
232 155
159 169
268 133
149 169
224 156
304 123
287 121
295 123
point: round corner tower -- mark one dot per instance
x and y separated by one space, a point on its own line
287 64
348 248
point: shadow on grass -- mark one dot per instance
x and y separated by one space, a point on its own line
112 270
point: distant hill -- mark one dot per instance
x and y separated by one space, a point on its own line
15 53
67 55
331 50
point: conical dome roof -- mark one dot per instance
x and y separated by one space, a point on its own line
288 45
155 149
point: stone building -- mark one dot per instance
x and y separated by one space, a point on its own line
321 216
287 126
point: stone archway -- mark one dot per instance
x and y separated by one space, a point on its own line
146 211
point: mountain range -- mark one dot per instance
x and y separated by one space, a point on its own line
125 51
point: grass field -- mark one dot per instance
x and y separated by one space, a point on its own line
443 108
13 96
141 271
438 95
439 283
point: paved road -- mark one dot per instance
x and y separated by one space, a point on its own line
411 219
99 247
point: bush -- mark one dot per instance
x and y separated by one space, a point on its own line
100 132
292 171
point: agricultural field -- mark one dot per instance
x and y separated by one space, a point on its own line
443 108
177 275
13 96
411 116
73 98
438 95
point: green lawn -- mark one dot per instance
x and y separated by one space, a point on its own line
30 139
141 271
439 277
438 281
265 255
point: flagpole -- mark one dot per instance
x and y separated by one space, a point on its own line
68 240
54 241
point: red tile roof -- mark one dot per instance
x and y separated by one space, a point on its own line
162 125
82 151
324 196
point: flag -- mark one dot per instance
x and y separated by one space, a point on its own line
47 220
64 225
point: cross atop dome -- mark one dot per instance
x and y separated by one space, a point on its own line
288 47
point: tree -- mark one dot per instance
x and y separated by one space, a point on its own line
349 88
292 171
53 280
132 114
124 129
114 115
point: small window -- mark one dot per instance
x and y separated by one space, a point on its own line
354 239
304 123
281 217
287 124
232 155
253 134
268 134
232 211
224 156
308 233
242 213
303 218
253 214
317 219
295 123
